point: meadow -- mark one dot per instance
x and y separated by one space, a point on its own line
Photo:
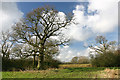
67 71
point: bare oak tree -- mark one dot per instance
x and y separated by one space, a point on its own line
42 23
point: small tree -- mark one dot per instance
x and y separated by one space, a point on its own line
83 60
42 23
74 60
6 44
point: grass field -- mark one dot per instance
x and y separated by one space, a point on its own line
57 73
66 71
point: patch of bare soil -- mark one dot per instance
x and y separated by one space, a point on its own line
110 73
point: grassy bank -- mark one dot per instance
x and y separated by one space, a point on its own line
56 73
86 72
65 71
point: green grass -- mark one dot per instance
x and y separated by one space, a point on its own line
89 72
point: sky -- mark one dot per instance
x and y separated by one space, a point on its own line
96 17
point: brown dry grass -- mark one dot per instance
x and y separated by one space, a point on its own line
74 65
110 73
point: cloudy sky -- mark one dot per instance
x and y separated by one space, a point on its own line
96 17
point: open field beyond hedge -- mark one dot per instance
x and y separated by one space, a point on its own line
67 71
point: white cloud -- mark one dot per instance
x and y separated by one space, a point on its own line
10 14
77 33
67 53
106 19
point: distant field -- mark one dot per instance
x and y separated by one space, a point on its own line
74 65
83 72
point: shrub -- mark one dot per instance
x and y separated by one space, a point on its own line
108 59
16 64
51 64
25 64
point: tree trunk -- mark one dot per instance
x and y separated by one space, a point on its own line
3 55
42 61
33 60
40 65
